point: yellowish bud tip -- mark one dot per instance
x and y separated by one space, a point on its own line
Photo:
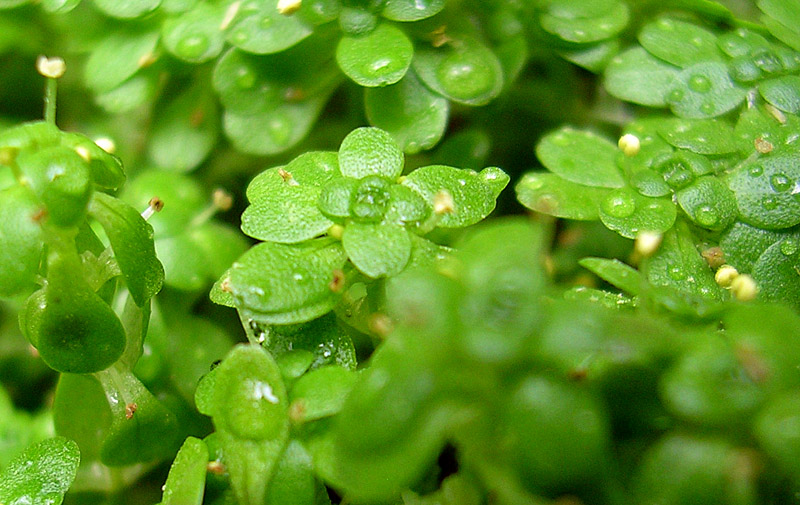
725 275
629 144
647 242
51 67
222 199
288 7
83 153
744 288
336 231
106 144
443 203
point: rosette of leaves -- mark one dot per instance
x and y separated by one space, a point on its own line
327 212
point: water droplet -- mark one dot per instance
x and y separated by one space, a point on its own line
789 247
699 83
706 216
464 76
708 108
666 24
780 183
240 37
298 277
266 22
755 170
675 96
462 182
620 205
560 140
769 203
192 47
380 64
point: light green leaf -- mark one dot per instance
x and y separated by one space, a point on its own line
782 32
742 244
370 151
758 123
406 206
415 116
140 88
678 42
42 474
321 392
411 10
473 198
194 36
582 30
185 130
127 9
464 71
287 283
324 338
187 476
118 56
594 57
550 194
764 191
334 200
776 272
22 240
629 213
315 168
131 238
637 76
782 92
788 13
377 249
294 482
703 136
259 28
704 90
376 59
615 272
741 42
581 157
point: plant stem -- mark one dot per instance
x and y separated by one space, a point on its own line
50 100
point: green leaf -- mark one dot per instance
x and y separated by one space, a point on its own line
757 123
741 42
194 36
702 136
81 413
764 191
324 338
581 157
273 132
582 30
550 194
787 12
370 151
709 203
595 57
284 284
314 168
118 56
259 28
127 9
293 482
411 10
637 76
21 237
678 42
131 238
473 197
185 131
782 32
249 396
378 58
414 116
782 92
615 272
321 392
406 206
678 264
334 200
704 90
776 272
187 476
283 210
182 195
628 213
42 474
251 466
742 244
132 93
464 71
779 443
106 169
377 249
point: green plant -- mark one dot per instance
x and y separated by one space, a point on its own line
367 338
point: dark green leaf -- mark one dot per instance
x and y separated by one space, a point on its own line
772 434
415 116
777 272
321 392
118 56
293 483
709 203
782 92
259 28
615 272
742 244
550 194
465 71
131 238
42 474
678 42
378 58
140 88
581 157
194 36
324 338
594 57
765 191
703 136
377 249
21 237
638 77
411 10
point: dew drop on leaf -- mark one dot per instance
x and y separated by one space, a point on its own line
619 205
755 170
699 83
193 47
780 183
789 247
707 216
769 203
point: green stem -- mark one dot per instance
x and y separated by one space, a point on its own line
50 101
